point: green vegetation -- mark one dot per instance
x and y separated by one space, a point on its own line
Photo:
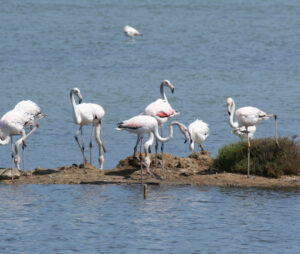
266 158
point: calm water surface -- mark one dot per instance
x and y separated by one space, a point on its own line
209 50
116 219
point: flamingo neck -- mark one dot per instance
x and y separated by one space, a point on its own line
149 142
162 92
161 139
75 111
231 110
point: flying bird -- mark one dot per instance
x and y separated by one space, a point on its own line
86 114
246 117
144 124
131 32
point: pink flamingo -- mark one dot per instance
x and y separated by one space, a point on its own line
143 124
162 111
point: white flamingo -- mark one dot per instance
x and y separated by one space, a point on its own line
86 114
143 124
25 113
131 32
246 117
199 131
162 111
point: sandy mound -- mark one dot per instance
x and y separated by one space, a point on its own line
175 167
197 169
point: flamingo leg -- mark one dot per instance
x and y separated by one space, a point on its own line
98 137
12 158
21 140
141 159
137 142
12 152
276 133
91 145
23 155
249 145
156 148
202 148
162 154
81 147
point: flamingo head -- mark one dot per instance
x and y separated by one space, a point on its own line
187 134
187 137
76 91
230 105
168 84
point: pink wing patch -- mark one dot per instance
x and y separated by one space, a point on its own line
133 125
164 114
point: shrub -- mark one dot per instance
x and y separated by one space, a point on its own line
266 158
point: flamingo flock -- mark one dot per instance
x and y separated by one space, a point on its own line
22 120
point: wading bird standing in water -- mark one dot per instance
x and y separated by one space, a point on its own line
143 124
86 114
162 111
246 117
14 122
131 32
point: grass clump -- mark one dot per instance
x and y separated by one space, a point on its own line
266 158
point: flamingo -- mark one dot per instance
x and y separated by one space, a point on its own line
245 118
86 114
144 124
131 32
162 111
199 131
25 113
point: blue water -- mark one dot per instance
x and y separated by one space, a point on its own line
116 219
209 50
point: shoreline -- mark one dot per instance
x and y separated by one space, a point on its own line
194 170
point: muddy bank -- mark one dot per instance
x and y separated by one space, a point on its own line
197 170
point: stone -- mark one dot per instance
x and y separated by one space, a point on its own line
7 173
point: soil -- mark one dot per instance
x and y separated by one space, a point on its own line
196 169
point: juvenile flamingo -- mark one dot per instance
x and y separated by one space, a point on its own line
246 117
143 124
86 114
199 131
14 122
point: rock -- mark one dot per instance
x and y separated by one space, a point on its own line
6 173
43 171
